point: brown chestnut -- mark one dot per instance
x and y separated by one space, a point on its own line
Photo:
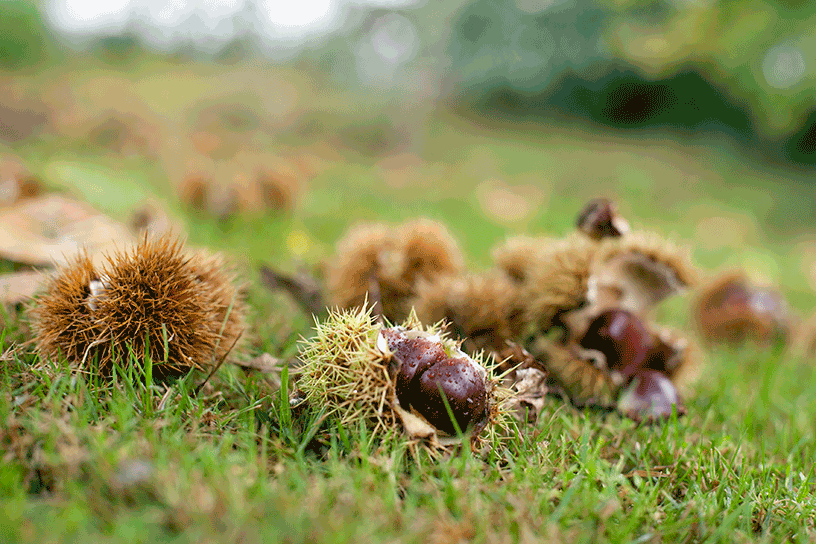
733 310
417 356
623 339
425 373
463 388
650 397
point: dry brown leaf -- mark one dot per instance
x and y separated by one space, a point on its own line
19 286
415 425
50 229
530 390
264 363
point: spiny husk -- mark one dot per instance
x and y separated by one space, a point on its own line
228 297
583 375
584 382
349 371
424 249
636 272
559 281
675 257
396 258
62 321
478 307
152 299
345 371
356 260
249 182
519 256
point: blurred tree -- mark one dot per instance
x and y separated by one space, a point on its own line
525 44
120 50
744 67
760 51
23 35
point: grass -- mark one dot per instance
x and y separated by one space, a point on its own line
135 461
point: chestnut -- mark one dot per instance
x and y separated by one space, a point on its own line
733 310
650 397
416 355
464 389
426 373
662 357
623 339
599 219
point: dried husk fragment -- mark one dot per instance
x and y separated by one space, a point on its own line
599 219
639 271
359 370
396 259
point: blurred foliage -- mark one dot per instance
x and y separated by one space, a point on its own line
526 44
24 38
759 51
741 67
744 66
119 50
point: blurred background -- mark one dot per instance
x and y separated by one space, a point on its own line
696 115
739 70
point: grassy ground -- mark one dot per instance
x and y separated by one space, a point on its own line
117 462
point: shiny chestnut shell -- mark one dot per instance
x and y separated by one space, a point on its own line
463 388
417 356
623 339
425 373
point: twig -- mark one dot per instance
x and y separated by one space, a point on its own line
217 366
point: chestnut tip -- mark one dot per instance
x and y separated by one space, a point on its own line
650 397
599 219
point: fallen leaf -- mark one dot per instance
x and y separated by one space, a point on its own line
530 389
263 363
19 286
51 229
414 425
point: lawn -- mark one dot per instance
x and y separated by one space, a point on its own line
129 460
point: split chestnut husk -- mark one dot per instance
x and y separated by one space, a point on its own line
622 362
361 371
395 259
